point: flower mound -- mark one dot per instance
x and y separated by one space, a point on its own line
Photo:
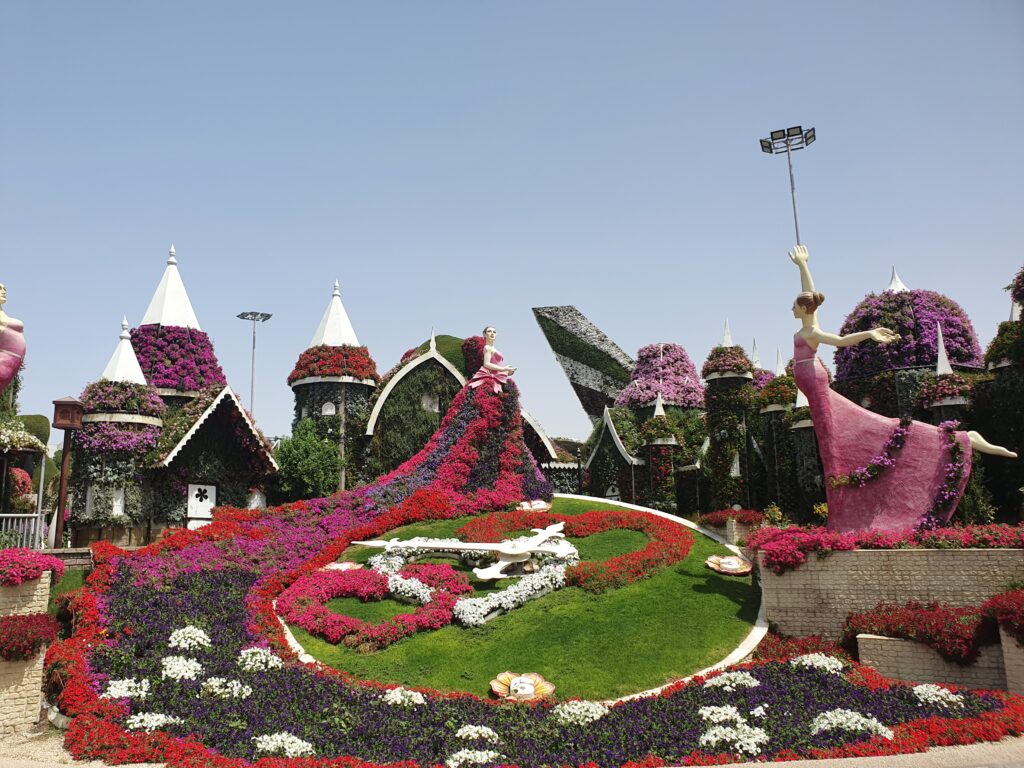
20 564
664 369
119 397
326 360
913 315
172 357
726 360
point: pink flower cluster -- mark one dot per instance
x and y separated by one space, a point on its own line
20 564
176 358
726 360
21 482
664 368
116 437
122 397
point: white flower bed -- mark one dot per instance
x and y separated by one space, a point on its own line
732 681
820 662
150 721
579 712
473 756
726 714
258 660
848 720
929 693
402 697
473 611
739 737
409 590
477 733
189 638
283 743
390 563
180 668
129 688
226 689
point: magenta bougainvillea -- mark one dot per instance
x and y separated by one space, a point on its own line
326 360
176 358
762 377
109 397
122 397
913 315
727 360
664 368
473 352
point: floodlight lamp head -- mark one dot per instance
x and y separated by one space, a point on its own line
778 135
766 146
795 131
809 136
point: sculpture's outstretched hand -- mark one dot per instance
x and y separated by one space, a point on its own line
883 335
799 255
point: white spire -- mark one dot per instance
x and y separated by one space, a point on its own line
895 284
124 365
801 399
780 367
170 304
727 336
335 329
755 358
942 363
659 405
1014 310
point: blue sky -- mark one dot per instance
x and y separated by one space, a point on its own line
455 164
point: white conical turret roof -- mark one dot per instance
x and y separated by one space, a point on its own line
335 329
727 336
124 365
780 367
801 399
755 358
942 365
170 304
659 406
895 284
1014 310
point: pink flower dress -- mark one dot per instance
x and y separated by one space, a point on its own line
486 376
851 437
12 351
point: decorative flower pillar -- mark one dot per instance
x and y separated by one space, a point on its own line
730 395
810 475
660 448
776 399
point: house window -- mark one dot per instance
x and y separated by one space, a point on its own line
305 412
430 402
612 492
328 409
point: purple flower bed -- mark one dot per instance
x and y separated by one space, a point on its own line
176 358
913 315
664 368
762 377
112 437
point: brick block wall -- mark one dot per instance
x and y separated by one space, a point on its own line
27 597
909 660
735 532
21 685
1013 662
816 598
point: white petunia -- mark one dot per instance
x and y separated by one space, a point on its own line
129 688
180 668
283 743
930 693
732 681
226 689
848 720
739 737
725 714
150 721
579 712
477 756
477 732
819 661
473 611
402 697
409 590
760 711
258 660
189 638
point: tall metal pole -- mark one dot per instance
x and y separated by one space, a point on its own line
62 494
792 190
252 374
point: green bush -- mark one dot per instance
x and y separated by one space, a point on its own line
308 464
38 425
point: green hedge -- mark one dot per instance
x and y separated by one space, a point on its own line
569 345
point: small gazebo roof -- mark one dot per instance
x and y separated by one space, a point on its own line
170 304
335 329
123 364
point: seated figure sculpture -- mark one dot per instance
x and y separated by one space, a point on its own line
881 474
12 343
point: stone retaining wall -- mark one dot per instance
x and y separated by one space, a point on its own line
909 660
816 598
735 531
27 597
1013 662
21 684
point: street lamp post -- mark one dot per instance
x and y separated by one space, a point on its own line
789 140
256 317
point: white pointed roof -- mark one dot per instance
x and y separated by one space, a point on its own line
335 329
727 336
123 364
1014 310
170 304
755 358
659 406
801 399
780 367
942 363
895 284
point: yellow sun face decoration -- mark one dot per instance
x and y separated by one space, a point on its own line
512 685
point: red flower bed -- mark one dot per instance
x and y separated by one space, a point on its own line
20 564
956 633
670 542
1008 611
721 517
22 636
326 360
473 353
780 648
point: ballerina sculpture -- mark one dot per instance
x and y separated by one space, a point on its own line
12 343
492 372
881 473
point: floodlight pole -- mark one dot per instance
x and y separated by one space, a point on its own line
255 317
792 192
789 140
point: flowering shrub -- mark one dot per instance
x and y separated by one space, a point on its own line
787 548
1017 287
326 360
935 388
473 353
1008 343
762 378
21 636
21 564
913 315
664 368
670 542
179 358
779 391
14 437
727 360
116 437
20 481
1008 610
721 517
106 396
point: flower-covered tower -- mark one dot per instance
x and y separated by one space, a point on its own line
334 378
176 357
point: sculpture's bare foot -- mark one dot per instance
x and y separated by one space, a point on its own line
981 445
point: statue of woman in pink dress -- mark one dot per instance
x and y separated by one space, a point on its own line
881 473
12 343
492 372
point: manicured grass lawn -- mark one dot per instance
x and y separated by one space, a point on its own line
680 620
73 579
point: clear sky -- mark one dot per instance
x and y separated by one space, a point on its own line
456 163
